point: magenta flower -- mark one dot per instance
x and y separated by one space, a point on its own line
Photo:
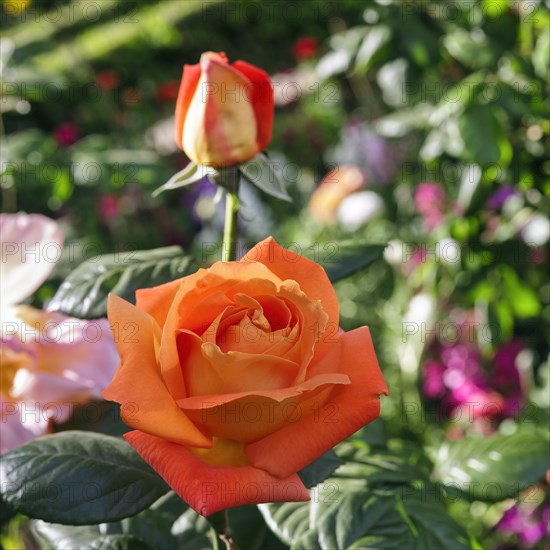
528 522
506 378
429 201
455 377
433 385
66 134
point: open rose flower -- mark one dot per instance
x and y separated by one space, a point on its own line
224 113
239 376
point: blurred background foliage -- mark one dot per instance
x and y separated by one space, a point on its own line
420 124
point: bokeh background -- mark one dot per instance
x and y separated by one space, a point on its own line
419 124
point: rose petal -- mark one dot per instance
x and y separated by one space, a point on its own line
31 245
157 301
138 385
286 264
208 488
189 82
261 96
207 370
200 298
349 408
249 416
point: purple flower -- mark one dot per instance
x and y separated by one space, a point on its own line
362 147
202 190
500 196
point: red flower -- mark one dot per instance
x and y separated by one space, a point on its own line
167 91
106 80
305 47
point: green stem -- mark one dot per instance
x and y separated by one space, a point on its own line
231 227
219 529
215 539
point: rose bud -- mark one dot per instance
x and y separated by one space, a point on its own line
224 112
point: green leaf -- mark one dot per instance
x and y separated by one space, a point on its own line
192 173
320 469
398 123
85 537
259 172
117 542
151 526
482 134
541 54
346 514
472 50
376 38
64 537
381 469
193 531
342 259
84 292
371 501
494 468
154 525
249 530
373 433
287 520
78 478
434 526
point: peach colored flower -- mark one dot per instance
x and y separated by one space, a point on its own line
333 189
240 376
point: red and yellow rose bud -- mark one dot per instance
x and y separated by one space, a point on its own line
224 112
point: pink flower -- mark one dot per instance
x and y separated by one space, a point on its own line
429 201
31 245
48 362
109 208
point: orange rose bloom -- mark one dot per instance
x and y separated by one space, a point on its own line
239 376
224 113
